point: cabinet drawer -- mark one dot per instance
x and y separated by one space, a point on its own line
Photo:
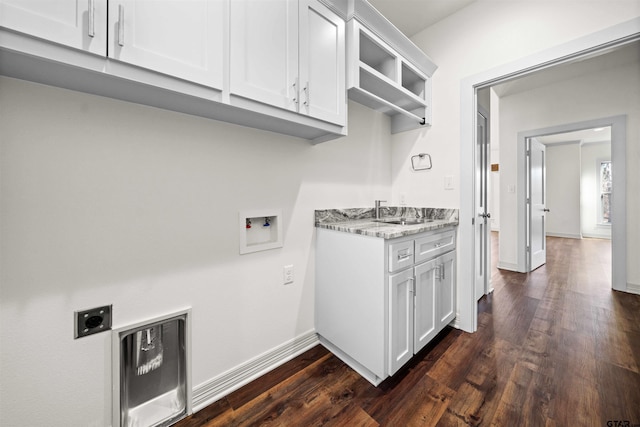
435 244
400 255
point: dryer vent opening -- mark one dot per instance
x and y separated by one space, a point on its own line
151 371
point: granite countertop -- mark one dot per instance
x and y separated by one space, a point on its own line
361 220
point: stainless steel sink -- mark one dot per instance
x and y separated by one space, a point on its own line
404 221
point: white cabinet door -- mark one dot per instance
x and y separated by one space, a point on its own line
447 288
426 310
401 312
81 24
322 63
181 38
264 51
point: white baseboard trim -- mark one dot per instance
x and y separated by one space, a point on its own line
508 266
597 236
633 288
220 386
564 235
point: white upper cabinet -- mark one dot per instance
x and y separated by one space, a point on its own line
322 63
290 55
81 24
277 65
264 51
180 38
386 71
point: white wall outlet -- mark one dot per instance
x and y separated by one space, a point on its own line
448 182
287 274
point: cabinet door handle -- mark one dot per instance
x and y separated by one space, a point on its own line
295 92
121 25
413 285
91 31
443 270
306 92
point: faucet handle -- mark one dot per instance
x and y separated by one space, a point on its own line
380 201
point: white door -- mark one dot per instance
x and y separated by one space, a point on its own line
401 318
426 315
264 51
322 63
181 38
537 204
81 24
482 222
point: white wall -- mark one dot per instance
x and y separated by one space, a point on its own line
480 40
607 93
563 190
592 154
107 202
484 35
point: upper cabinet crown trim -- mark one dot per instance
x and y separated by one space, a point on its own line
375 22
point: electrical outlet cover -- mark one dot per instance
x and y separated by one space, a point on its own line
89 322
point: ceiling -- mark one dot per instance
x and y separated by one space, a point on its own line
413 16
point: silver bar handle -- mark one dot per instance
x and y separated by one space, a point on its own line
91 31
121 25
443 270
413 285
404 256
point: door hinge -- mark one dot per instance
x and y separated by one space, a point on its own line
528 248
473 221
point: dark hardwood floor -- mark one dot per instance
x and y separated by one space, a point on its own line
556 347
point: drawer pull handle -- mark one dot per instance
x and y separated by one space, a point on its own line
405 256
437 245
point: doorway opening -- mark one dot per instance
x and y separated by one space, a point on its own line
569 190
596 44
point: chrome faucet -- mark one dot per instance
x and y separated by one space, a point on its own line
377 212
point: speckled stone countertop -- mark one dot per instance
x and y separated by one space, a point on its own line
361 220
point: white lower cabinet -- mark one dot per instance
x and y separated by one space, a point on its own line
379 302
421 303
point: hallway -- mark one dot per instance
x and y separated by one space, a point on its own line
556 347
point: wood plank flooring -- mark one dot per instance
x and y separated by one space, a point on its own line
556 347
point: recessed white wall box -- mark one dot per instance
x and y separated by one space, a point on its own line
260 230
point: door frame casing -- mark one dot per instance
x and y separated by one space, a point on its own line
599 41
619 191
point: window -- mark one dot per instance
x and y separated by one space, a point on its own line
604 215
